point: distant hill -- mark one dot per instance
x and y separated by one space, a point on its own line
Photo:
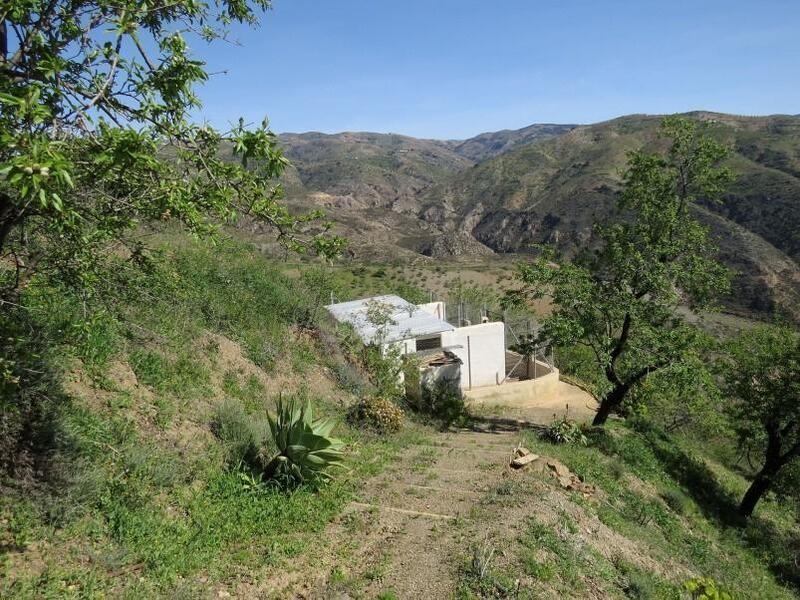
488 145
553 191
503 192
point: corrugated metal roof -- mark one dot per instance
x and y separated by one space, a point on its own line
408 320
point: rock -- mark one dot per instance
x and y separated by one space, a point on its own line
521 461
539 466
560 468
565 481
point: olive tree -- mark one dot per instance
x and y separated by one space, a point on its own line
762 378
621 301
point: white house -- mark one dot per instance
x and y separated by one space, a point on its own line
420 328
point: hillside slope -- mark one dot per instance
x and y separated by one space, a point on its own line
554 191
369 183
397 197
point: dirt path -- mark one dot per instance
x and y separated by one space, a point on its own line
408 528
411 531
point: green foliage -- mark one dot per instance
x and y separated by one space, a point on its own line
243 436
681 396
385 368
705 588
442 400
305 450
621 301
762 377
96 138
377 413
565 431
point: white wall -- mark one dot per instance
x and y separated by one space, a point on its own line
482 351
433 308
406 346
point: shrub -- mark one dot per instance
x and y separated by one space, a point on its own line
385 370
443 400
305 450
565 431
349 378
242 436
380 414
705 588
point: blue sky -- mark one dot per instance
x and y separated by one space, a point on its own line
454 68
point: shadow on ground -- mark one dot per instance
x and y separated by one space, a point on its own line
780 549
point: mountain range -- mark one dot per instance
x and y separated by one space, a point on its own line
502 192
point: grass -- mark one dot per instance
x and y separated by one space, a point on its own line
680 511
655 493
140 498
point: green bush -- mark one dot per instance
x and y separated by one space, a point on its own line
242 436
705 588
443 400
377 413
565 431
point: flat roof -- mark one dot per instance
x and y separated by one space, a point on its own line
407 320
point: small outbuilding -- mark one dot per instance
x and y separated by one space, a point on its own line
422 328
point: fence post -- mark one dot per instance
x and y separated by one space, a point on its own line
469 363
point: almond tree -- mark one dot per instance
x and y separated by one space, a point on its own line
621 300
96 136
762 378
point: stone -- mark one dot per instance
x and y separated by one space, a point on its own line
565 481
539 466
560 468
521 461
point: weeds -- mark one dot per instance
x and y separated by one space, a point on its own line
565 431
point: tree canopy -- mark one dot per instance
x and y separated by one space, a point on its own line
762 378
97 137
621 300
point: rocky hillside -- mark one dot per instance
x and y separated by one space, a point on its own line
505 191
553 191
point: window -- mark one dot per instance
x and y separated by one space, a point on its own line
430 343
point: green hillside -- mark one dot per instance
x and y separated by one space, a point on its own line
125 485
120 484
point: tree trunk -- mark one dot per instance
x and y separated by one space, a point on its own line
754 493
773 461
611 401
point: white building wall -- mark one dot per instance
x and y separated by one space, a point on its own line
433 308
482 350
406 346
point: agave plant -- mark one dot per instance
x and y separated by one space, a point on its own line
305 450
